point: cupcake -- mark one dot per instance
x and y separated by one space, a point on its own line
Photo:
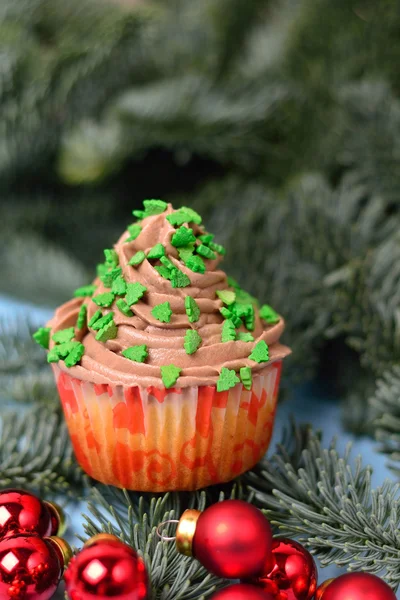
167 371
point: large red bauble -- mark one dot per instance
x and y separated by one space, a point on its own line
30 568
358 586
233 539
22 512
291 573
106 569
242 591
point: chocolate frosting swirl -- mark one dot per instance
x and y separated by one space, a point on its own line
103 363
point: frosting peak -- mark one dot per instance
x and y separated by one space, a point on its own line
163 291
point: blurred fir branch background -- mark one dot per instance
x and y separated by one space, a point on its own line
278 121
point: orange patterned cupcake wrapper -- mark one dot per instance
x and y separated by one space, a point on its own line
148 439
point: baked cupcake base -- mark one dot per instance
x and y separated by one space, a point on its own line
156 440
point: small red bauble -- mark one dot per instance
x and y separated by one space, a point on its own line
242 591
290 574
30 568
358 586
22 512
322 588
232 539
106 568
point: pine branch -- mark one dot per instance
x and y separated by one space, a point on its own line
35 453
325 499
386 405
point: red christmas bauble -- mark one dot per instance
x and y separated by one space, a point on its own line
233 539
322 588
242 591
22 512
290 574
107 568
358 586
30 568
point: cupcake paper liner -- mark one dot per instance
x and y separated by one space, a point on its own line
150 439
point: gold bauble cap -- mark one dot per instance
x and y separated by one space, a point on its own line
101 537
57 512
62 548
186 530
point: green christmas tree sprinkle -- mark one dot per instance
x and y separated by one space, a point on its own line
134 231
110 276
139 214
65 335
136 353
260 352
109 332
184 215
124 308
156 252
192 341
105 300
85 290
186 252
97 315
137 258
194 217
167 263
182 237
195 264
119 286
268 314
52 356
164 272
217 247
42 336
192 309
228 333
169 375
154 207
111 257
206 252
244 336
250 320
103 321
228 297
64 349
162 312
75 355
82 317
206 238
227 380
134 292
179 279
246 377
101 269
228 314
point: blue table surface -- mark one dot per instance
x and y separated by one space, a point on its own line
308 405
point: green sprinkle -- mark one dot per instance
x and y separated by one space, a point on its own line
227 380
233 283
82 315
244 297
139 214
217 247
184 215
85 290
244 336
156 252
192 309
65 335
194 217
228 331
206 252
192 341
250 320
109 332
206 238
260 352
42 336
154 207
182 237
95 318
101 270
100 323
186 252
169 375
104 300
196 264
268 314
137 258
111 257
119 286
226 296
242 310
134 292
75 355
246 377
179 279
164 272
111 276
162 312
136 353
167 263
133 230
124 308
63 350
52 356
228 314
